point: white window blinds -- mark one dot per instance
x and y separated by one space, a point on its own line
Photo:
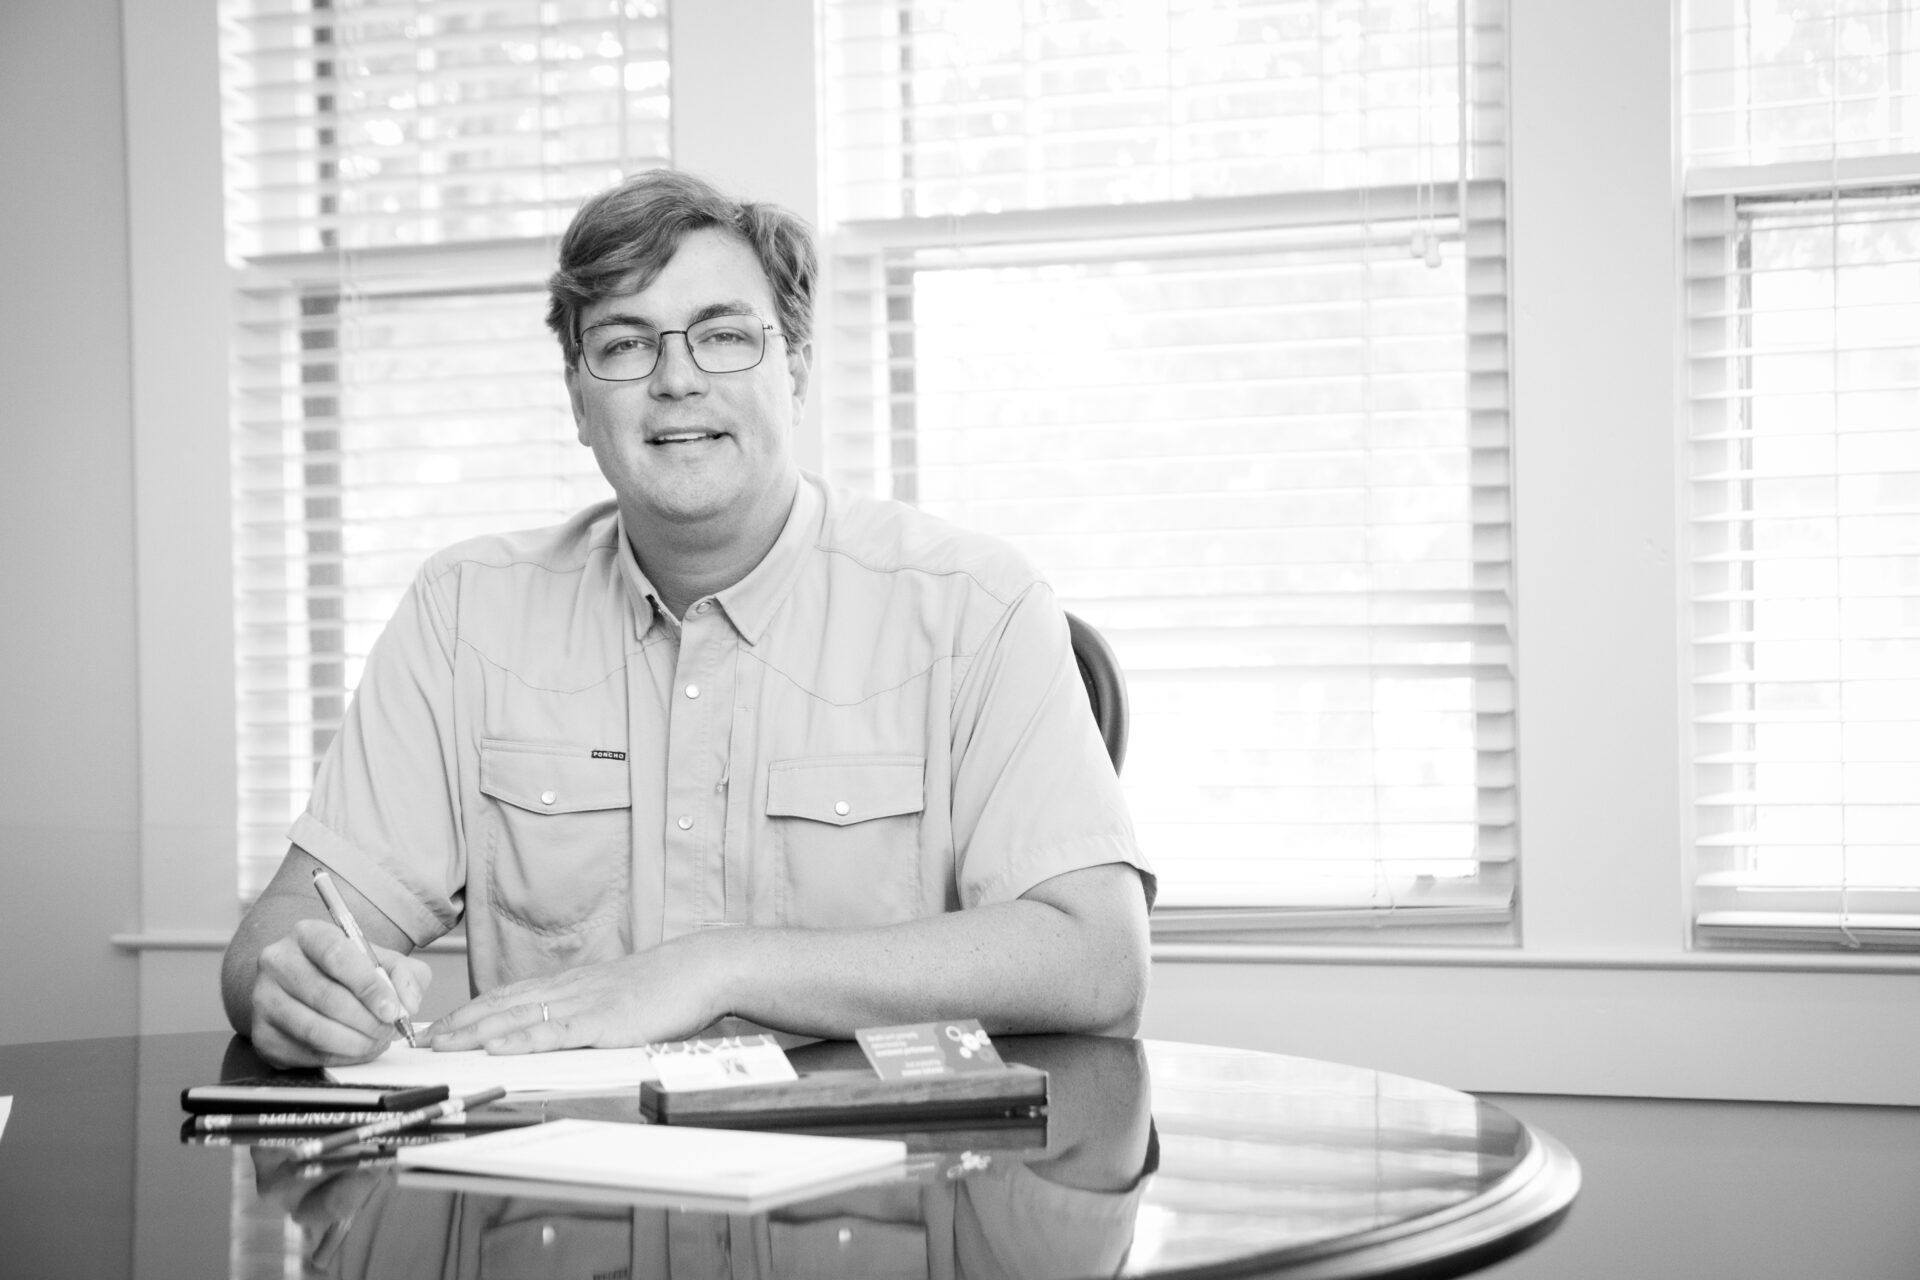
1802 177
397 174
1203 306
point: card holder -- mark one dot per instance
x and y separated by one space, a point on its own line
851 1097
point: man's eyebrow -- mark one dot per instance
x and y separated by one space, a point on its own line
735 307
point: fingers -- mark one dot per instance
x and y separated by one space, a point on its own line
459 1024
411 977
540 1036
312 998
335 955
505 1019
288 1033
347 985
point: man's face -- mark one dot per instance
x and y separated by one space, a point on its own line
682 445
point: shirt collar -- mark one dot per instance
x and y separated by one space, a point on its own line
644 601
751 602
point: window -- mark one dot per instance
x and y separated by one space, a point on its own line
1203 305
1802 177
397 175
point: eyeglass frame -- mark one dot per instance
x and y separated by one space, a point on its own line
660 337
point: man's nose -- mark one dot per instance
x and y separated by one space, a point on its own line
674 372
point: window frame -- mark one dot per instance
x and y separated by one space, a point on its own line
1463 911
1717 200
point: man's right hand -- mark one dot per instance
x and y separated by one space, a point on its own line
317 1001
300 989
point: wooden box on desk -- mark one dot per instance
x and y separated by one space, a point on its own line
850 1097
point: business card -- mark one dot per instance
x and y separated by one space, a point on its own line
918 1050
722 1063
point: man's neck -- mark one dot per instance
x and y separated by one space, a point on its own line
688 562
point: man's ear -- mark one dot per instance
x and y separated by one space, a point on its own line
572 376
800 367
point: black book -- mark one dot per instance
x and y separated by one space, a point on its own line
282 1093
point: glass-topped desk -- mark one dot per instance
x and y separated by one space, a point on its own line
1155 1159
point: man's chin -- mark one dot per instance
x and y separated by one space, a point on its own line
693 500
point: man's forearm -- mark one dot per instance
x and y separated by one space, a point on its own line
1022 966
1069 955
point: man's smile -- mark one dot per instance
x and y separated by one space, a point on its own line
684 437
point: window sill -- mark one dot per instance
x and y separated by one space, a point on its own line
1308 954
1468 957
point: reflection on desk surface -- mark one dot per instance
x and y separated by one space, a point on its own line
1053 1199
1154 1158
1220 1155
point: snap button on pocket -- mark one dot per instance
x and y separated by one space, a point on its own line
823 789
547 797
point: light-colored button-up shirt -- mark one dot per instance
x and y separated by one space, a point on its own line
882 721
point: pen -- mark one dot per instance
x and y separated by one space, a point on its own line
314 1148
337 908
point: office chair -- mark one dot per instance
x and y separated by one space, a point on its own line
1106 686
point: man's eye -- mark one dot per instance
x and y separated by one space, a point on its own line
625 344
724 337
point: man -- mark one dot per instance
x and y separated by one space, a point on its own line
729 744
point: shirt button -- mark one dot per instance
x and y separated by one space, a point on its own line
701 607
685 822
842 808
693 691
547 797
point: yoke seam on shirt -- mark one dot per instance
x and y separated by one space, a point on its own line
820 697
453 566
460 637
525 683
968 574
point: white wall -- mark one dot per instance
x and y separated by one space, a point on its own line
69 803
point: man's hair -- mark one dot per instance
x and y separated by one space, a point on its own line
623 237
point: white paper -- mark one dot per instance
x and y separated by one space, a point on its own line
742 1164
561 1071
468 1071
6 1109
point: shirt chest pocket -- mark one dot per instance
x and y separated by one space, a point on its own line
557 834
847 829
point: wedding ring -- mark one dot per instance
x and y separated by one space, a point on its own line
544 1016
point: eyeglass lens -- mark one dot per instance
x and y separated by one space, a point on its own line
722 344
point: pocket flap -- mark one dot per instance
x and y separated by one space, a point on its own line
846 789
552 778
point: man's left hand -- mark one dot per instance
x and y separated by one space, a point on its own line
666 992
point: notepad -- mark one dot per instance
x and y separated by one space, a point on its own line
743 1167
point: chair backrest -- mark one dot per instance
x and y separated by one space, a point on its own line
1106 686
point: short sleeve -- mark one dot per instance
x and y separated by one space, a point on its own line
384 813
1034 792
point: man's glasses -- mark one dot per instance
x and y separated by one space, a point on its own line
616 351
